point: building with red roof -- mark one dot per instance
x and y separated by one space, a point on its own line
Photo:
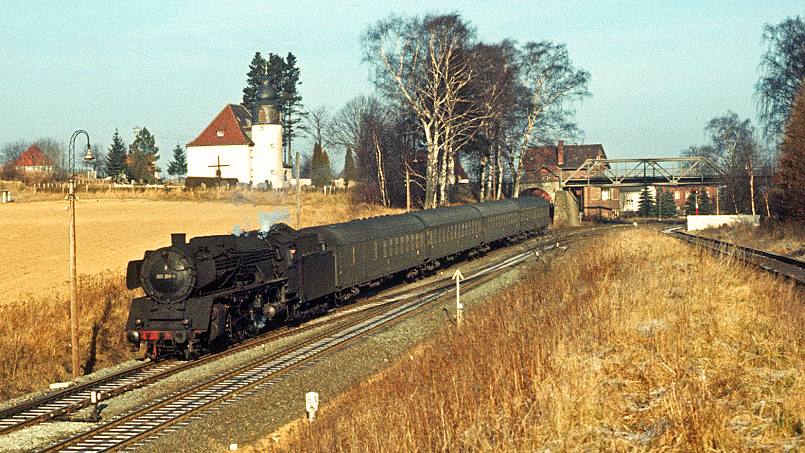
243 145
543 165
33 160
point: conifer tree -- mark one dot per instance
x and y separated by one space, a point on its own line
291 100
116 158
646 206
703 199
790 178
349 173
142 158
257 71
178 166
320 171
705 207
666 208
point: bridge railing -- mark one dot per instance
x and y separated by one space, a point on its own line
669 171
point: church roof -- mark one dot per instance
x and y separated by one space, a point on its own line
228 128
33 157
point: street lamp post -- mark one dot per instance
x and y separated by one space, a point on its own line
73 289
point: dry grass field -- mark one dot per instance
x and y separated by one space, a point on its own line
34 303
785 238
638 343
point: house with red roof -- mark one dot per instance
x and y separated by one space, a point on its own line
543 165
243 145
33 160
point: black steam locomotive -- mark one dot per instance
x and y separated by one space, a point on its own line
214 290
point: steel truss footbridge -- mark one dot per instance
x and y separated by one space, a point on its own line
672 171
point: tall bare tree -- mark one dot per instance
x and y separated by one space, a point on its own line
424 64
345 127
783 70
496 88
551 86
315 124
735 147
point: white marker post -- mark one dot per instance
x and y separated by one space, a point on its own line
459 306
311 405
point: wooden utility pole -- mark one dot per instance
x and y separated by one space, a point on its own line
298 192
73 286
751 185
407 189
73 272
718 208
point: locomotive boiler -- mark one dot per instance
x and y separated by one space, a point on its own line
210 290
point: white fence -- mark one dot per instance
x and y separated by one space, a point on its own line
701 222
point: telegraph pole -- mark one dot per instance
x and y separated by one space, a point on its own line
73 285
407 189
298 192
751 185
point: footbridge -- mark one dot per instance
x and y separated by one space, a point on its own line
672 171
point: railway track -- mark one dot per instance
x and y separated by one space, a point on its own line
57 405
782 266
132 429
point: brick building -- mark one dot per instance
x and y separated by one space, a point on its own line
543 165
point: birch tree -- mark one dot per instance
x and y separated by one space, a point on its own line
423 64
495 85
551 86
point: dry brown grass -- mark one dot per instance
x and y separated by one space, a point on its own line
34 334
35 339
786 238
636 344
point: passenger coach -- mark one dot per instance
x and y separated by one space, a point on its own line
339 259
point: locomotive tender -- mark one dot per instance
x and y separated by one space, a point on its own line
214 290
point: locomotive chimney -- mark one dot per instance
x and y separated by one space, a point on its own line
178 238
560 153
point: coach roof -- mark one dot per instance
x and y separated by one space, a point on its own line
364 230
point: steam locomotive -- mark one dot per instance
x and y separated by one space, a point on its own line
213 290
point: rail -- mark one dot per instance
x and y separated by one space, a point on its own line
780 265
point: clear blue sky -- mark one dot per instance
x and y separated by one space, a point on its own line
659 69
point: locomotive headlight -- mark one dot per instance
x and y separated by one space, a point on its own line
186 322
133 336
138 322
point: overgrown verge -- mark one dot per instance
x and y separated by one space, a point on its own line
635 342
784 238
35 334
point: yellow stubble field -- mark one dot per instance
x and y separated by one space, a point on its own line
110 232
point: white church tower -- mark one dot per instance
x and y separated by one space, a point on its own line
242 144
266 133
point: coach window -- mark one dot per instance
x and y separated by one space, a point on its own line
375 250
353 255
